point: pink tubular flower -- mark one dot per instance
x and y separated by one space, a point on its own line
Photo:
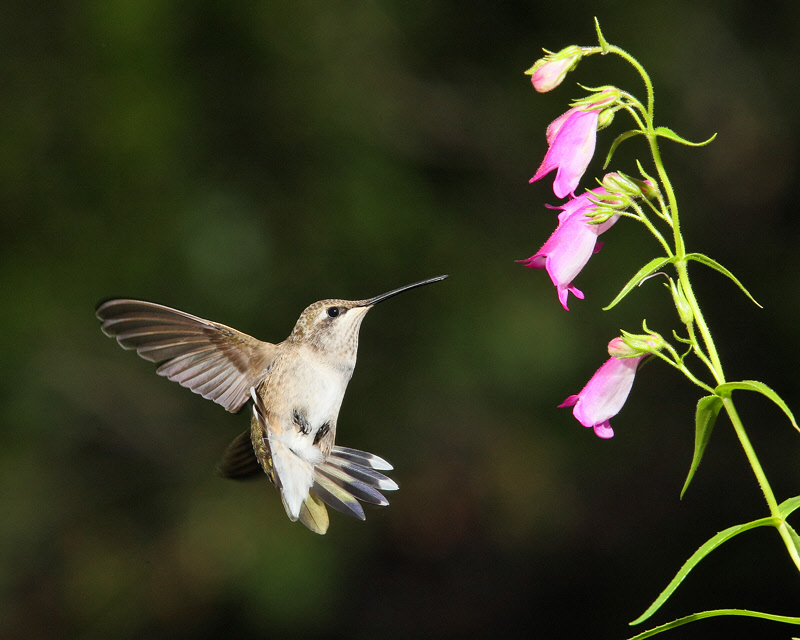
604 395
571 245
571 140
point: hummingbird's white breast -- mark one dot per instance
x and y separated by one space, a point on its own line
311 393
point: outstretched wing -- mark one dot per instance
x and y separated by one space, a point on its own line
216 361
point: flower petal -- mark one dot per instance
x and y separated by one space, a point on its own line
604 430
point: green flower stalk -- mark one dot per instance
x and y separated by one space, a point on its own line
651 201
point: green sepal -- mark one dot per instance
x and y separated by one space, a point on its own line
600 37
618 141
725 390
666 132
646 270
705 418
709 262
712 614
697 556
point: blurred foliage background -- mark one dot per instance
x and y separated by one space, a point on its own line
242 160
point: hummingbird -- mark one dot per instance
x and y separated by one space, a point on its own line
296 388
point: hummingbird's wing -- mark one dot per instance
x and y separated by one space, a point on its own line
216 361
239 461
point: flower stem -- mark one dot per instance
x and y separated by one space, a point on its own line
766 489
700 322
646 78
709 355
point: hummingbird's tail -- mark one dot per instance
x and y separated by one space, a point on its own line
347 474
345 477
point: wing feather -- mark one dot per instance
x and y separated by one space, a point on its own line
211 359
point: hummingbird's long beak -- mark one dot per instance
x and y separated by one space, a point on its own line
373 301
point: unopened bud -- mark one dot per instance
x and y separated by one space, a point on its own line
606 118
649 188
549 72
631 345
685 312
620 183
624 184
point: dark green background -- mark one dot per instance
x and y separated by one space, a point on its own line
242 160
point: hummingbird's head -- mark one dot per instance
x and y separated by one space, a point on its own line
331 326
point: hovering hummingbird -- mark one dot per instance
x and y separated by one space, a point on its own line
296 386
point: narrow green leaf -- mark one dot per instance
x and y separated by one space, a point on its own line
788 506
703 259
646 270
726 389
712 614
698 555
705 417
666 132
618 141
793 535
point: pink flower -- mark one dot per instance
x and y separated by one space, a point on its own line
549 72
571 140
604 395
571 245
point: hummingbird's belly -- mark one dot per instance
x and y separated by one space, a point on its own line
310 408
320 395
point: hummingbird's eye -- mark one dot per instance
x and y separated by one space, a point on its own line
333 312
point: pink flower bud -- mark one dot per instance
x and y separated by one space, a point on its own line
549 72
633 345
618 349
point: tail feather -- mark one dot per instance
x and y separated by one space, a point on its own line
336 497
347 476
361 458
364 474
314 515
354 487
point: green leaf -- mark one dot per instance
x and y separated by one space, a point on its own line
726 389
668 133
698 555
646 270
793 535
712 614
703 259
705 417
788 506
618 141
